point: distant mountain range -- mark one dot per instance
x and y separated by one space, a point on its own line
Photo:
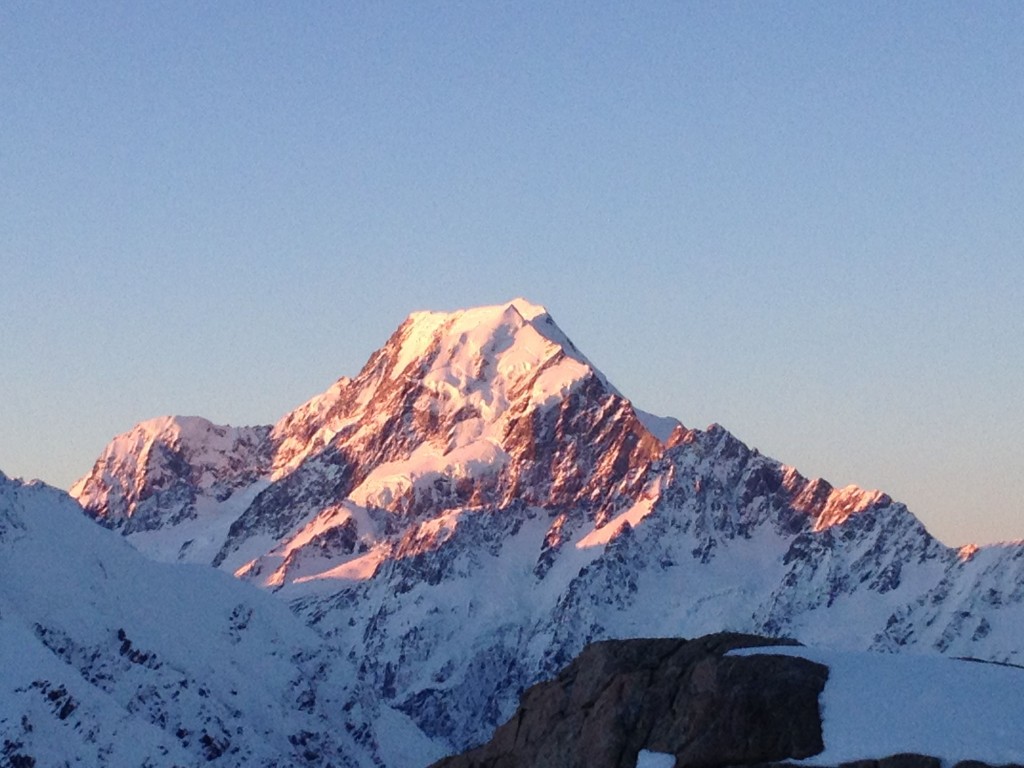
460 519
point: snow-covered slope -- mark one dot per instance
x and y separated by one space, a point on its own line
876 705
178 473
471 408
479 502
107 658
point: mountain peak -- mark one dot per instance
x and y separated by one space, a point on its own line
169 457
459 381
475 504
527 308
490 352
477 329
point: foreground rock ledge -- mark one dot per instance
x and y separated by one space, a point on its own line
683 697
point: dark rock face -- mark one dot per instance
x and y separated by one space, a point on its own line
903 760
677 696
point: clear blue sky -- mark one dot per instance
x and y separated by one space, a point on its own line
804 221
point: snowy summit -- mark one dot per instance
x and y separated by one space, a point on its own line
478 503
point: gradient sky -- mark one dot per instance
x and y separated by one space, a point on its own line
804 221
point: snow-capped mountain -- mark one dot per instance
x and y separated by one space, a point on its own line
463 516
108 658
732 699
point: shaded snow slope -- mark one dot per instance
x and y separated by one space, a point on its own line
109 658
875 705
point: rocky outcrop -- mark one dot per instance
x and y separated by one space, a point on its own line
675 696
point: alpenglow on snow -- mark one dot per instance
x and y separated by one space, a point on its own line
479 502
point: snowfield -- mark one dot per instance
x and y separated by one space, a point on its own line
108 658
875 705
